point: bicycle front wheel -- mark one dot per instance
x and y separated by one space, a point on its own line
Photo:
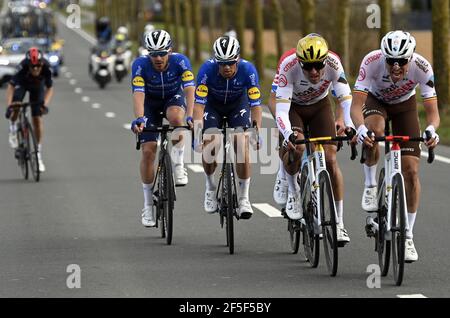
311 245
328 219
22 150
230 208
398 228
169 196
33 154
382 246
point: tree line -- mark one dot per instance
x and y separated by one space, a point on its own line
185 20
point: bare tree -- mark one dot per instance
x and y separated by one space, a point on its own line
187 22
441 54
197 17
258 37
308 14
386 13
277 14
167 9
343 31
176 4
240 23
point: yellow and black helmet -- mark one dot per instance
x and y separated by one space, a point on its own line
312 48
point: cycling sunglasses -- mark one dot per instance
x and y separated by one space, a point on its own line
158 53
309 66
228 63
401 62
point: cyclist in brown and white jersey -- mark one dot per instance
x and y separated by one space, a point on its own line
386 88
302 98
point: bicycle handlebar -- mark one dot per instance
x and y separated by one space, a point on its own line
163 128
400 139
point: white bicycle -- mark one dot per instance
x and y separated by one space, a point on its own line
391 223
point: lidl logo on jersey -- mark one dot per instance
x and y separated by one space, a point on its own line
138 81
202 91
187 76
254 93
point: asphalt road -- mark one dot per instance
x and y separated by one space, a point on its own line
86 211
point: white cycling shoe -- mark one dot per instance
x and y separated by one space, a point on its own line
181 176
210 203
12 138
148 217
245 210
369 199
410 251
41 163
293 206
280 191
342 234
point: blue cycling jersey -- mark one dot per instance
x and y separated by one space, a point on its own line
162 85
211 84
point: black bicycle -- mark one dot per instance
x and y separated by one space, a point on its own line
164 194
27 151
226 194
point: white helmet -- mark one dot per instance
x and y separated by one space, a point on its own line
122 30
149 28
226 48
398 45
157 40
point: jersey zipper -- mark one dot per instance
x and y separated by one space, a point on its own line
226 93
162 83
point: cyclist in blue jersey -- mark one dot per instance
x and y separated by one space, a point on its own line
162 82
227 86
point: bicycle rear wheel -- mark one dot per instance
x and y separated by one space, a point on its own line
230 208
169 196
328 219
22 150
311 245
398 228
33 154
382 246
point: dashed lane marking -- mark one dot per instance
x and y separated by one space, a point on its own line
196 168
96 105
110 115
127 126
412 296
78 90
85 99
73 81
268 210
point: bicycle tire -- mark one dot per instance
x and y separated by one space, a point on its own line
398 228
169 202
328 220
311 246
230 208
22 147
33 154
161 199
294 235
382 246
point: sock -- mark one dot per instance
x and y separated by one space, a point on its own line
294 187
370 176
281 171
340 212
12 127
411 221
148 194
39 148
210 182
243 188
178 155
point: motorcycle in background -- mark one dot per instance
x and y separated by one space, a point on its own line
101 66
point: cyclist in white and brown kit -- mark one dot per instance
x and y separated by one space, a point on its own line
386 88
302 98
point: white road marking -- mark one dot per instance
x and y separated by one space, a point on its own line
267 115
127 126
73 81
96 105
268 210
78 90
412 296
80 32
196 168
110 115
85 99
63 69
68 75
